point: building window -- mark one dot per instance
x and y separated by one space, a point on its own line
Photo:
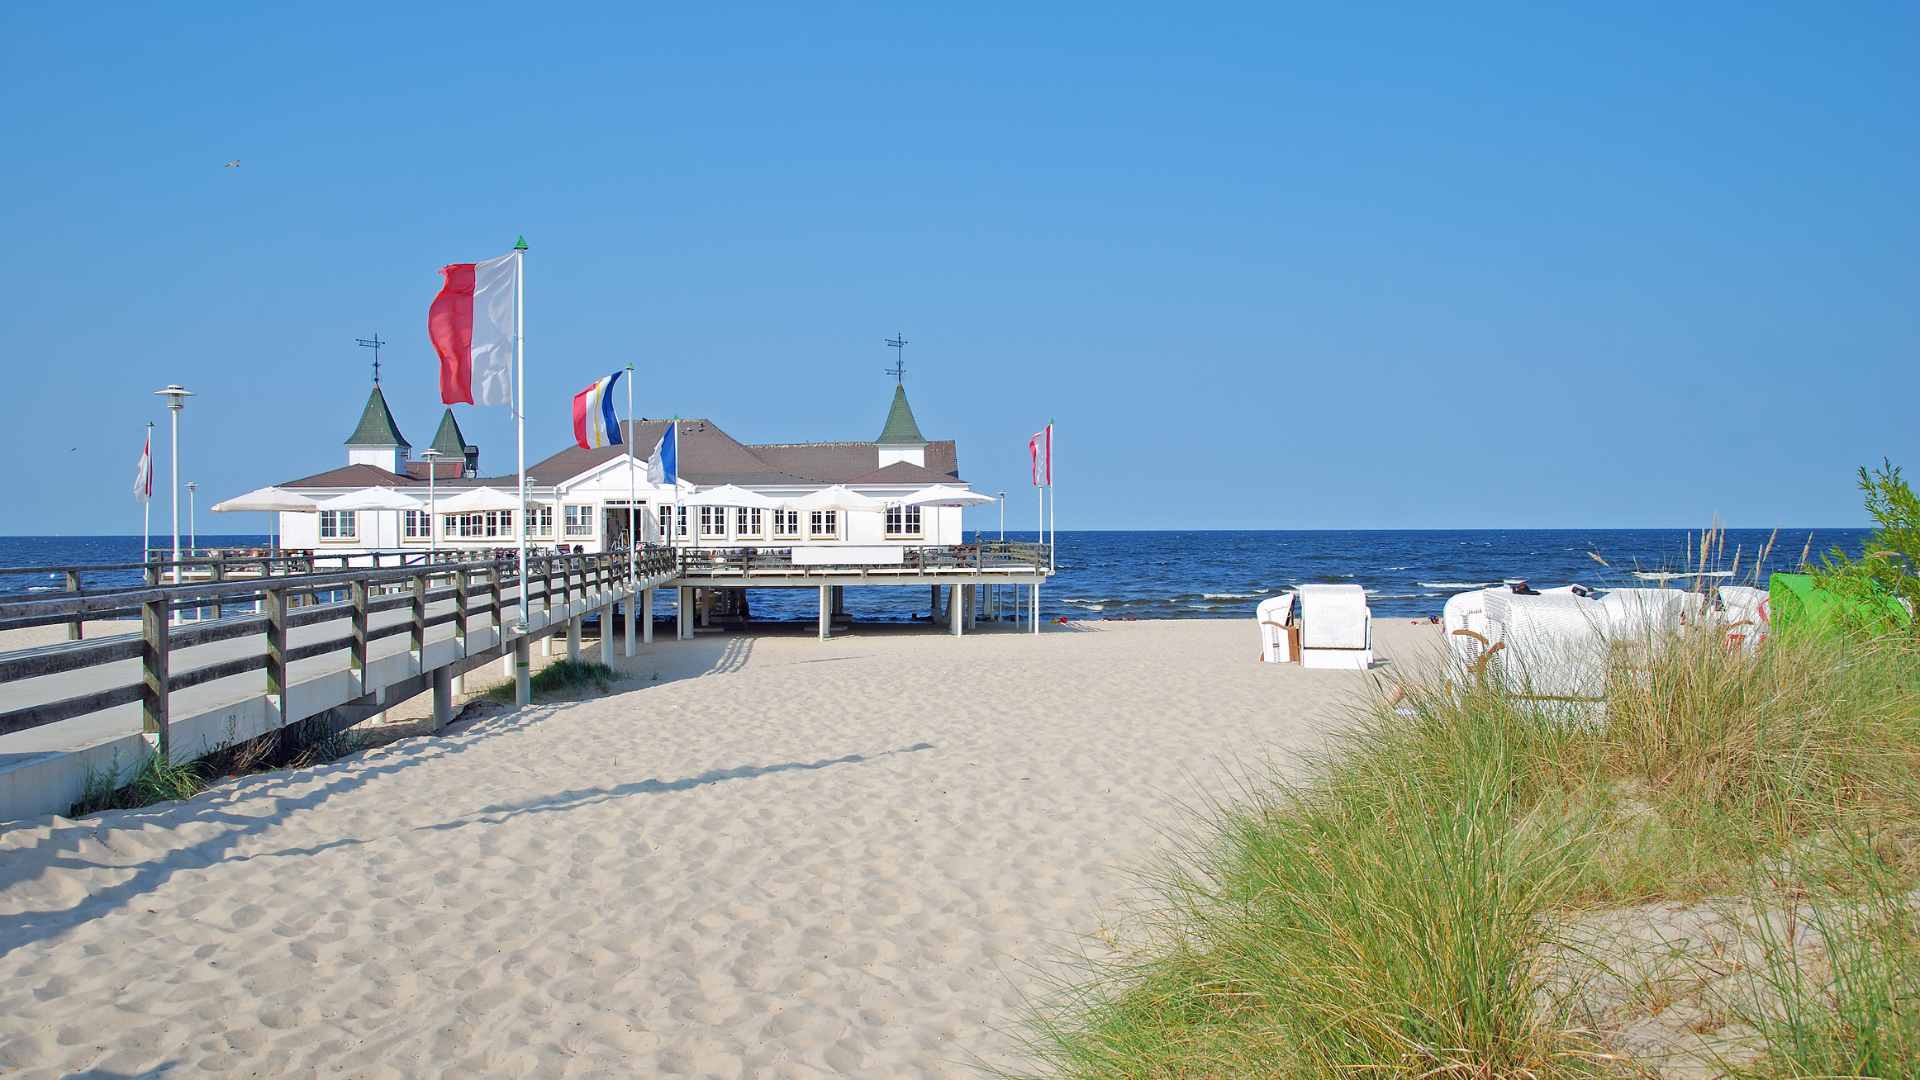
713 521
786 524
824 524
579 521
746 525
903 521
417 525
484 525
673 519
337 525
539 520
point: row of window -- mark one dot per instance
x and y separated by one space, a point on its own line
902 521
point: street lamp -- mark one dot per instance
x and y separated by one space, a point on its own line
176 396
1003 516
431 457
193 533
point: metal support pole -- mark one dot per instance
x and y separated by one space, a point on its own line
522 672
606 632
573 638
683 613
646 615
826 612
442 697
956 609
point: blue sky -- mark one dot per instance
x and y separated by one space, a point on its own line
1266 266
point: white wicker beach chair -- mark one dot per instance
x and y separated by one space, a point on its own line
1549 651
1274 616
1464 619
1650 613
1336 628
1744 616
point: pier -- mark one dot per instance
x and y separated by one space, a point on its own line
290 640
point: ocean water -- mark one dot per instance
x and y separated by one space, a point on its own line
1183 575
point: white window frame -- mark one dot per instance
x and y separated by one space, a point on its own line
578 519
912 524
540 519
713 523
673 519
786 524
749 523
352 533
409 534
830 519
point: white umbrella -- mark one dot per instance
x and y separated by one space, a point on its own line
837 497
373 498
475 500
730 495
269 500
945 495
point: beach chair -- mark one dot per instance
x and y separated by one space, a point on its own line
1549 651
1336 629
1279 633
1651 613
1464 619
1744 616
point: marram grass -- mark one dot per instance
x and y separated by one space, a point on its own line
1388 915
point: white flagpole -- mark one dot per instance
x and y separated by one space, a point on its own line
1053 517
522 687
146 504
633 519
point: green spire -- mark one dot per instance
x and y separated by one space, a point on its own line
376 425
448 440
901 430
520 244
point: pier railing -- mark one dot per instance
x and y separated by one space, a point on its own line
345 599
983 557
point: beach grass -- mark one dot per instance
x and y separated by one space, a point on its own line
1392 913
560 678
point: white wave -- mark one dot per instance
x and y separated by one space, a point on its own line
39 588
1457 585
1228 595
1090 605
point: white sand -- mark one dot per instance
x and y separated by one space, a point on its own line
784 858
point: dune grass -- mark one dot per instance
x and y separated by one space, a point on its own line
560 678
1388 915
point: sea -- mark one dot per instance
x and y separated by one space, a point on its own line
1192 575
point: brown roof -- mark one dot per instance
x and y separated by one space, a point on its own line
708 456
901 472
349 476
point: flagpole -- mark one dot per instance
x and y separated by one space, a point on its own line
146 504
1053 518
633 519
522 676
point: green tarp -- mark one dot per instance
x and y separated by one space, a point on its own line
1794 602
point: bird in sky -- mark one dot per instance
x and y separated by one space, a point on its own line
234 164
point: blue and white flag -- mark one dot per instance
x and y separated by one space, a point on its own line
663 468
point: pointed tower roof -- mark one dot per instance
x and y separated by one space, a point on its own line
448 439
901 430
376 424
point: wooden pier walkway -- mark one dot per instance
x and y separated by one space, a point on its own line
292 641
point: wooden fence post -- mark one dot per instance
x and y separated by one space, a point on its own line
219 575
76 626
460 585
357 649
419 611
154 615
275 603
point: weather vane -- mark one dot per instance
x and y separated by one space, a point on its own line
373 343
898 343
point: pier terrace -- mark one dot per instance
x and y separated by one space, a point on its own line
234 646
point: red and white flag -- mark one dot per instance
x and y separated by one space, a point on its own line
1040 449
143 472
471 323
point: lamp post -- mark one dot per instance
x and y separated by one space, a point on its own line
1003 516
176 396
431 457
193 532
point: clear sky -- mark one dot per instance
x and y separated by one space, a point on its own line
1266 266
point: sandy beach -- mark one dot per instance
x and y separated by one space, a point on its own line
762 856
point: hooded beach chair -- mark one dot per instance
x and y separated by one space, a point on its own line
1336 629
1279 634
